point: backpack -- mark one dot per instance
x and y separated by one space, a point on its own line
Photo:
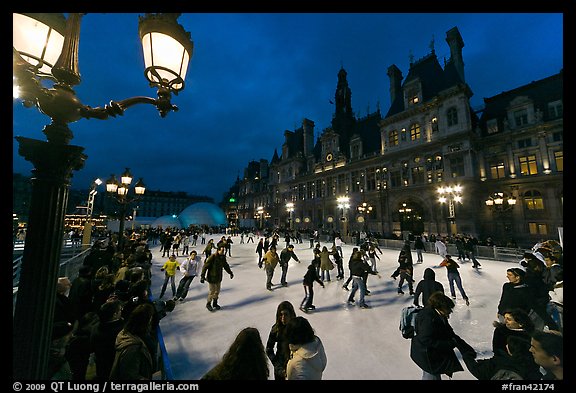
408 321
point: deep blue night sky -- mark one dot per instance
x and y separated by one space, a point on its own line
253 76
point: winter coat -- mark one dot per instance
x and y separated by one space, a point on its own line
271 259
500 337
103 342
285 256
419 244
132 360
427 287
501 366
190 267
325 262
515 296
212 269
432 348
170 267
311 276
359 267
279 358
307 361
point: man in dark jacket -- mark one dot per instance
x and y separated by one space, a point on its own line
212 272
427 287
285 256
358 268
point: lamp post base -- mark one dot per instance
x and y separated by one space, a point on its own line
36 298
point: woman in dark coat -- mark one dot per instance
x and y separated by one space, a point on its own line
432 347
515 293
277 347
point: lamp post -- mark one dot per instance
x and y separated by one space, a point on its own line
290 210
45 71
121 192
343 203
87 233
501 204
260 212
365 209
450 194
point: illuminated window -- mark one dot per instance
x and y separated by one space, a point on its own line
413 96
497 170
533 200
393 138
528 165
536 228
414 131
559 159
452 116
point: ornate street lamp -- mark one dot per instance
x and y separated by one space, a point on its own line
290 210
343 203
260 212
501 206
45 69
365 209
499 202
450 194
120 192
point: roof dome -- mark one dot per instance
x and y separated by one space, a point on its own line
202 213
167 221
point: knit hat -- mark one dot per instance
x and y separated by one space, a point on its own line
517 271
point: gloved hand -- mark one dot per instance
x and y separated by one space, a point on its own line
202 280
162 269
231 275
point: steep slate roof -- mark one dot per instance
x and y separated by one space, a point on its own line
541 92
432 77
369 131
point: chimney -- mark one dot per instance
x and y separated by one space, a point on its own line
308 134
395 76
454 40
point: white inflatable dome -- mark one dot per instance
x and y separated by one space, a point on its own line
202 213
167 221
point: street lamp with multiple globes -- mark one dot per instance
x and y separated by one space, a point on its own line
365 209
501 204
450 194
343 203
120 192
45 71
290 210
260 213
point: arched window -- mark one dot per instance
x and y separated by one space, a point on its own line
533 200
